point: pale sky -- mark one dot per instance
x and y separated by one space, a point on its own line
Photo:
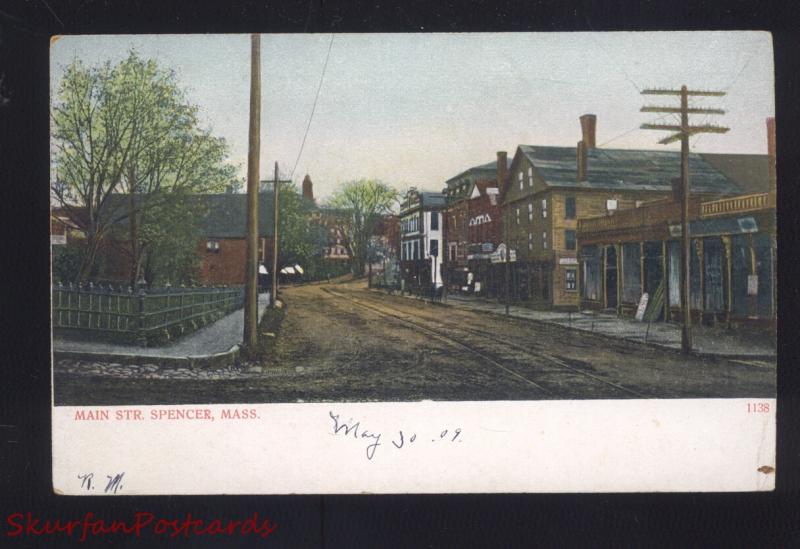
416 109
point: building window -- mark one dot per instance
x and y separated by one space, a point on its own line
611 204
517 210
212 245
544 207
453 251
530 175
434 221
530 212
544 240
571 279
530 241
519 177
416 250
569 208
570 241
434 248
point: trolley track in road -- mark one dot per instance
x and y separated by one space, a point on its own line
449 328
443 337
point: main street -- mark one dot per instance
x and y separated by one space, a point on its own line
343 342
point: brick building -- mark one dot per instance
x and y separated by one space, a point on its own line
548 189
223 246
472 224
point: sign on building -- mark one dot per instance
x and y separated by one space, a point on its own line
499 255
752 284
58 239
642 306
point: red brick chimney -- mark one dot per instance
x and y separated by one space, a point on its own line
582 160
502 168
589 129
771 151
308 188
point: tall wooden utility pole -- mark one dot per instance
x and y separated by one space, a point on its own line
254 144
682 133
275 190
508 254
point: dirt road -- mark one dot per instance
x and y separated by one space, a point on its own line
342 342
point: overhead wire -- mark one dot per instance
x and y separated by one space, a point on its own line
313 108
728 88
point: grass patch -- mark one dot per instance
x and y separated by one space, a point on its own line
268 333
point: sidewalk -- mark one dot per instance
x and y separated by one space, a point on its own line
217 338
665 335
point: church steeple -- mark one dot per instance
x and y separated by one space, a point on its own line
308 188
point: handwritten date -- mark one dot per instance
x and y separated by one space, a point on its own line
355 430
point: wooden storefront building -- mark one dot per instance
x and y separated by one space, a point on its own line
732 260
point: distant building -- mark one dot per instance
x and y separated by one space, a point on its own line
337 247
421 229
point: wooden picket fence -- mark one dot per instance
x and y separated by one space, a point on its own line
139 316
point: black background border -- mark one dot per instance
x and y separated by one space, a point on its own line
765 519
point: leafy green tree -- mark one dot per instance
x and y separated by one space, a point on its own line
300 241
130 129
363 203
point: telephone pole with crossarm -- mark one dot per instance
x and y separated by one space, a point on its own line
682 132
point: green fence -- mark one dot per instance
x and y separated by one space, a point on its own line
141 317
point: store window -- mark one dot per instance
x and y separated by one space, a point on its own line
570 279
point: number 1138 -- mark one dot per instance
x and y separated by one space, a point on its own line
758 407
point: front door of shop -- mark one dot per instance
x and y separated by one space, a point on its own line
611 277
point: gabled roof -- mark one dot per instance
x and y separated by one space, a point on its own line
431 199
227 215
224 215
415 199
623 169
749 171
488 170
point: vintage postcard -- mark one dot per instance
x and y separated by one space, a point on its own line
413 263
